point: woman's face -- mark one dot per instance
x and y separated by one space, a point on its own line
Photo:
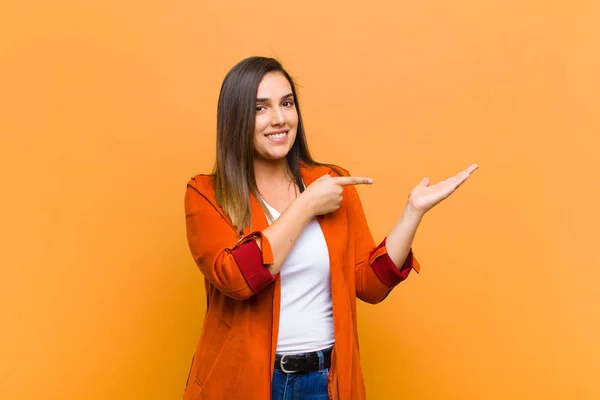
276 118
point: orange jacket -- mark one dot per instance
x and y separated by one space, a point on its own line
235 355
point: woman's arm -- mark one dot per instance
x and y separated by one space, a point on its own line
379 269
375 272
321 197
285 230
243 267
421 199
234 268
400 239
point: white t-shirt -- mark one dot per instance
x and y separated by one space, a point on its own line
306 317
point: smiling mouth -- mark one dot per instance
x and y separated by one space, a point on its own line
277 136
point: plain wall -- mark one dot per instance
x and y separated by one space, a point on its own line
107 108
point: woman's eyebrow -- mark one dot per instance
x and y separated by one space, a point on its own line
266 99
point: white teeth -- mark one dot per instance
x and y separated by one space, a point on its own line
277 135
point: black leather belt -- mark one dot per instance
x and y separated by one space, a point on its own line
302 363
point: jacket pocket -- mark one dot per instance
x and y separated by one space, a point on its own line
213 349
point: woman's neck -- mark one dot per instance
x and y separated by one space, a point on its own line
275 184
269 173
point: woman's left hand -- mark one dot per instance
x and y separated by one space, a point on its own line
424 197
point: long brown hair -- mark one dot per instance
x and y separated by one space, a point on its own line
233 174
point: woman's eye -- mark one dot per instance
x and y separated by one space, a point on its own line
259 108
288 103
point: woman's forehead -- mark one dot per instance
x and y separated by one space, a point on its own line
273 85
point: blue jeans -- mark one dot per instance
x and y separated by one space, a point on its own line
301 386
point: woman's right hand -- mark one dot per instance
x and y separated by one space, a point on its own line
325 194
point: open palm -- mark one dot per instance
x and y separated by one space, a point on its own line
424 197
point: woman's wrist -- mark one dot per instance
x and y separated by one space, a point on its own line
304 207
301 205
411 214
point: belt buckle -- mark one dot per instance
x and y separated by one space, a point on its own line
282 362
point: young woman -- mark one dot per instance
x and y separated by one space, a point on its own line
285 250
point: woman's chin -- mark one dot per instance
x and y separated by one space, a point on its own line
272 157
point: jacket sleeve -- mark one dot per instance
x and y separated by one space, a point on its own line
376 273
235 266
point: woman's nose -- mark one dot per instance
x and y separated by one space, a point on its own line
277 117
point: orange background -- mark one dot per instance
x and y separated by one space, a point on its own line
108 107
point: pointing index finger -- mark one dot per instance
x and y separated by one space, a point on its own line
353 180
472 168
